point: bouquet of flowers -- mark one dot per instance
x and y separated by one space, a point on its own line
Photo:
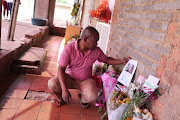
102 12
99 68
117 102
134 96
141 95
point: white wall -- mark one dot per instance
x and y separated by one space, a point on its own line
85 15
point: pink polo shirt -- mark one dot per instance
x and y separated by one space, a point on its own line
79 67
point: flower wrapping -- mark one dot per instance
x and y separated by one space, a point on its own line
117 102
108 84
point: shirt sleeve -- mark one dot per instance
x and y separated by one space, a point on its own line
65 57
102 56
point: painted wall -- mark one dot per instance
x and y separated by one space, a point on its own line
85 14
149 32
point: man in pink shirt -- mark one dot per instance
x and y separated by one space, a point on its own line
75 69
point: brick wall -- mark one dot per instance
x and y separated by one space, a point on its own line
149 32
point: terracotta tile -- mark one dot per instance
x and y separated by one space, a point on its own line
71 108
92 110
49 106
7 114
54 71
40 81
10 103
74 96
48 116
91 117
19 94
30 105
50 63
70 117
26 78
38 88
21 86
74 92
26 115
46 69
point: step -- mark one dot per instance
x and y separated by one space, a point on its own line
31 61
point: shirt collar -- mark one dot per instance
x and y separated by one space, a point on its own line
76 44
77 47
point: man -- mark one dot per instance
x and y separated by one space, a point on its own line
75 69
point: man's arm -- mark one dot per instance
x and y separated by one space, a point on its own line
113 61
61 78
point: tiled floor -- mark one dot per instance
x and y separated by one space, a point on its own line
14 106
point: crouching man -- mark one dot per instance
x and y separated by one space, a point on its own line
75 69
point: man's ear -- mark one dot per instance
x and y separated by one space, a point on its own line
85 39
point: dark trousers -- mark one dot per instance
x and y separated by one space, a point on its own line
9 5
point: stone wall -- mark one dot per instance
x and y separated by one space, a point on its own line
149 32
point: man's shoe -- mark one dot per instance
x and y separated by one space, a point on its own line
83 105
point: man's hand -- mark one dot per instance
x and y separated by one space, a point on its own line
66 96
126 59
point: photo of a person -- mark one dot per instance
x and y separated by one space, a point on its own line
129 68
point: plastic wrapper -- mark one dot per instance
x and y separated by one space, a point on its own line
117 103
108 84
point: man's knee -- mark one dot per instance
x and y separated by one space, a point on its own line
53 85
90 96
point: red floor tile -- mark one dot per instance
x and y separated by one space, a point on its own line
40 80
26 78
7 114
70 117
32 105
49 107
46 70
74 96
48 116
38 88
21 86
92 110
19 94
71 109
26 114
10 103
91 117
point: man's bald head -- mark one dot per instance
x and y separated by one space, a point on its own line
90 32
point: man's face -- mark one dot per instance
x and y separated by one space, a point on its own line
92 42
